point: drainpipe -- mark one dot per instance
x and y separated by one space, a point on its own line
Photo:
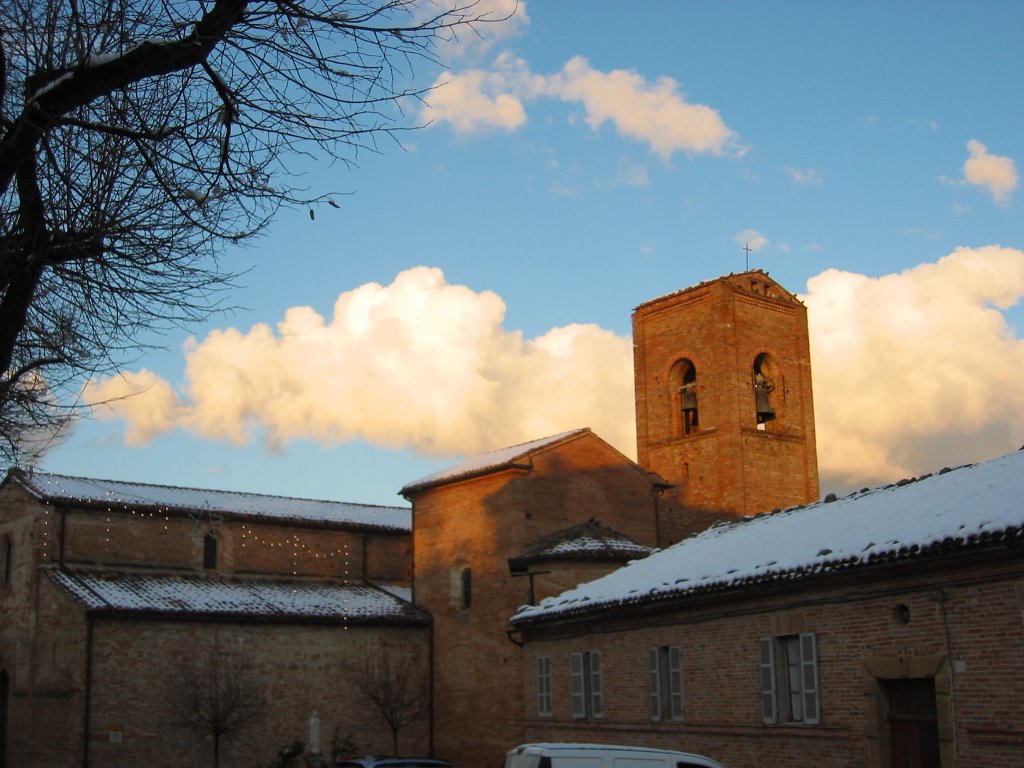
433 702
659 491
942 597
88 692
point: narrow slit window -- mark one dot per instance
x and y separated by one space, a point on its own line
210 550
6 554
466 584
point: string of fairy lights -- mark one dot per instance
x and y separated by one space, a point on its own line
300 552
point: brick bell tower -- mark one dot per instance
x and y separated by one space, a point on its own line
724 410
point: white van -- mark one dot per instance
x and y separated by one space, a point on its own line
602 756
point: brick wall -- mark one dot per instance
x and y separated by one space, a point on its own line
173 541
298 670
479 523
726 464
962 628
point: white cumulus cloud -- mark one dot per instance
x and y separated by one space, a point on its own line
418 363
147 404
654 113
475 101
918 369
752 239
500 20
995 173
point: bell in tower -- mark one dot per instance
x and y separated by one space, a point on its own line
763 388
688 399
684 377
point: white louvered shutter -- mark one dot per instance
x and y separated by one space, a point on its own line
596 698
809 678
769 712
579 705
544 685
654 674
675 680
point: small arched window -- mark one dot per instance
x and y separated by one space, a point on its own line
210 550
466 587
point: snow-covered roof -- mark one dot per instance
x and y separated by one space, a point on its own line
113 494
193 595
971 506
503 458
588 540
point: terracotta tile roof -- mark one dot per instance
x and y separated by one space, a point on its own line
586 541
91 493
125 593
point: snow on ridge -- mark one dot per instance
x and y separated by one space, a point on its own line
975 500
201 595
117 494
595 545
488 461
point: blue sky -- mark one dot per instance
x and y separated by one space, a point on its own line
581 159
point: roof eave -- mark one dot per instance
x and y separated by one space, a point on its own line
938 555
108 612
410 490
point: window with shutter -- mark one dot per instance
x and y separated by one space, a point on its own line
654 675
665 671
544 685
809 681
675 677
585 684
596 695
579 701
790 690
768 708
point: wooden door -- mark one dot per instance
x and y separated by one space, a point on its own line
913 724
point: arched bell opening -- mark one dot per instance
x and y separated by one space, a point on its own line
684 383
765 380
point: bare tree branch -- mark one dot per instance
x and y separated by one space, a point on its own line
216 695
139 138
395 686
